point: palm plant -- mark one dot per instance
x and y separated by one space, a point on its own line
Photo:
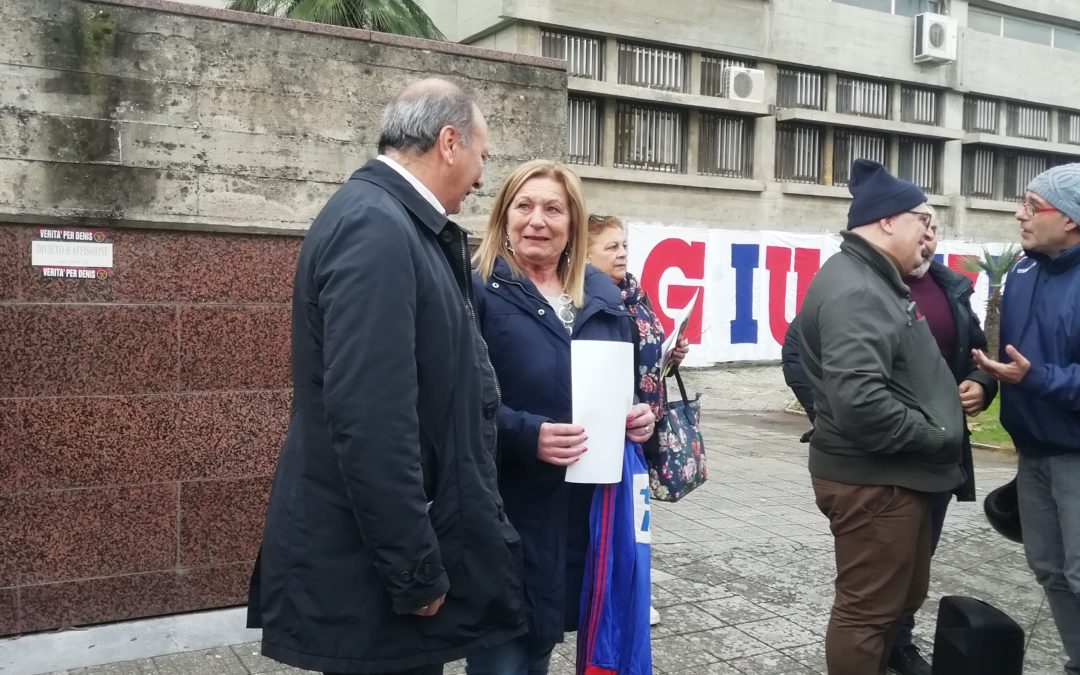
403 17
996 267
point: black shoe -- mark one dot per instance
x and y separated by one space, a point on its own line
908 661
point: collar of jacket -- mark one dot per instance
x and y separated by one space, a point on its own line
382 175
1065 261
875 259
601 293
954 284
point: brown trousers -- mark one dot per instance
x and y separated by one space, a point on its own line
882 539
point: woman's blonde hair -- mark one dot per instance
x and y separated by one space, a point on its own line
495 244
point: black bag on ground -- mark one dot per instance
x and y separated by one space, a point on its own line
975 638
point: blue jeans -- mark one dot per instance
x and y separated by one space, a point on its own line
1049 494
938 507
520 656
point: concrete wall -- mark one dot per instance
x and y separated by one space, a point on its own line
141 415
113 113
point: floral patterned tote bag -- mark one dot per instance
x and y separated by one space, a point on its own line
679 465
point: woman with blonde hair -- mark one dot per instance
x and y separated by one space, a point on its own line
534 294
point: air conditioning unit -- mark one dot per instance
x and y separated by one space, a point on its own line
935 38
744 84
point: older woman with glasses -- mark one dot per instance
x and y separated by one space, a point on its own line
534 295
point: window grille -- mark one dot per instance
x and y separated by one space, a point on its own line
977 173
653 67
919 106
584 55
651 138
1069 126
1019 169
800 89
918 163
727 146
583 130
1024 121
980 114
851 145
712 72
798 153
862 97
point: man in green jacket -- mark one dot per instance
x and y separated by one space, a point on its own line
889 426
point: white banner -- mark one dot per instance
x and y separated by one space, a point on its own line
752 283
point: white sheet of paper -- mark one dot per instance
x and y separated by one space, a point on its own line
681 319
602 386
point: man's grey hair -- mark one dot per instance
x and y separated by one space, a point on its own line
412 121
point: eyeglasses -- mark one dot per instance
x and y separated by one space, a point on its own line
925 217
1030 209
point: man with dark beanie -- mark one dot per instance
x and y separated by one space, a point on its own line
889 425
1039 370
944 298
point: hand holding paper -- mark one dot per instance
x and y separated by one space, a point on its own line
672 341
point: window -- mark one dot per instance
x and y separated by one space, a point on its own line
919 106
727 146
1029 31
584 55
1069 127
583 130
852 145
712 72
919 163
653 67
863 97
901 7
983 21
1019 169
651 138
980 115
977 172
800 89
1024 121
798 153
1067 39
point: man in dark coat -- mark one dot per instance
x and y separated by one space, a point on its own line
386 547
795 376
944 298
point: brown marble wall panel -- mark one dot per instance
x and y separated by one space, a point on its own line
12 258
97 532
234 348
221 520
231 434
12 444
65 350
9 610
91 441
73 603
9 540
164 266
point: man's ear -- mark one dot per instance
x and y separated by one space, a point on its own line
447 142
886 224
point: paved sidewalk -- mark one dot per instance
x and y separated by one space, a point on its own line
743 569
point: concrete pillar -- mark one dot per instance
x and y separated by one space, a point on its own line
765 148
896 101
693 72
693 141
772 77
950 168
827 153
607 143
611 59
528 39
952 109
830 91
892 162
1055 129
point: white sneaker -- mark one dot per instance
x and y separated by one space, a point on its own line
654 616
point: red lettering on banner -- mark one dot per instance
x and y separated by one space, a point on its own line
778 263
958 263
688 257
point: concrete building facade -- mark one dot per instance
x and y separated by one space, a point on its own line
659 136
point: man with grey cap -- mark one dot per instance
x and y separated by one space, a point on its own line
1039 370
889 425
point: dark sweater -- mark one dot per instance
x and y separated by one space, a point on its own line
934 305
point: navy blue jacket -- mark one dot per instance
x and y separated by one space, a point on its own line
1040 316
386 494
530 350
